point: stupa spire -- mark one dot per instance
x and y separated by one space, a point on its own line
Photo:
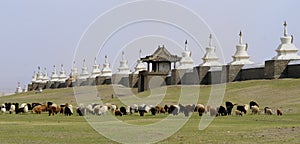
210 40
140 53
285 29
241 39
185 45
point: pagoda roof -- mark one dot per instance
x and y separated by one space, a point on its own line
161 54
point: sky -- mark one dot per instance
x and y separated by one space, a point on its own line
53 32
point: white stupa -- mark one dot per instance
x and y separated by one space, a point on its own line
286 50
96 69
39 76
106 71
241 56
18 89
210 58
140 65
123 69
74 72
54 76
186 62
33 80
45 76
84 72
62 75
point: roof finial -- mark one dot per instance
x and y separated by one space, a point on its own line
123 55
140 53
83 62
95 61
210 40
285 31
241 40
185 47
106 59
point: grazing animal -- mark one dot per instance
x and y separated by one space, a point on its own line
68 110
229 107
166 107
174 109
53 109
118 112
243 108
237 112
255 109
37 109
279 112
187 109
160 109
200 109
268 111
123 110
253 103
153 111
81 110
12 109
142 109
213 111
222 111
3 108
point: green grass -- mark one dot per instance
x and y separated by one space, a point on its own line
284 94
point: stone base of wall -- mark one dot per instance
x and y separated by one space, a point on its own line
122 79
275 69
133 80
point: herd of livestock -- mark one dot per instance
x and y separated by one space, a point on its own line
97 109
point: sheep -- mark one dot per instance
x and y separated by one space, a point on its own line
104 110
23 108
160 109
142 110
268 111
174 109
229 107
222 111
213 111
81 110
118 112
123 110
37 109
237 112
12 109
242 108
153 111
53 109
253 103
187 109
279 112
68 110
166 107
255 109
200 109
135 108
3 108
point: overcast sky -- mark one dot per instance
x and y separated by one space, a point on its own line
45 33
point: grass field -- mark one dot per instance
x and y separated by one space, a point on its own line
284 94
